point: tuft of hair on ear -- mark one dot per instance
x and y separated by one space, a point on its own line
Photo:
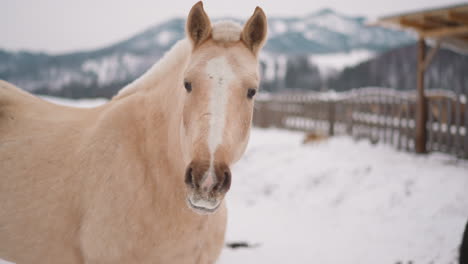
198 27
255 31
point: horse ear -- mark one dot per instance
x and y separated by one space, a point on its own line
255 31
198 28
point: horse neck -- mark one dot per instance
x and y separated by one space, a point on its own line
161 90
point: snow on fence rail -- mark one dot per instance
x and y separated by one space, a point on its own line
381 115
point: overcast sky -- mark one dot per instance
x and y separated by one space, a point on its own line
60 26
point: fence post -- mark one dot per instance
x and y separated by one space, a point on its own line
331 118
449 136
465 115
260 114
456 142
351 116
430 128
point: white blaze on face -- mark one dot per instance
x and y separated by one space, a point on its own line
220 73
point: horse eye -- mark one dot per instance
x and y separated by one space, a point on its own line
251 92
188 86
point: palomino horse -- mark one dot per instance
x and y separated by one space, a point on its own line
141 179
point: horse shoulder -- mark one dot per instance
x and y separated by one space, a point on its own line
116 188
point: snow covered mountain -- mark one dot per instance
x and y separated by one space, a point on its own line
328 32
102 72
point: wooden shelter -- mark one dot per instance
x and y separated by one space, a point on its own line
446 26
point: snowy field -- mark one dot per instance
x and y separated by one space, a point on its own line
341 201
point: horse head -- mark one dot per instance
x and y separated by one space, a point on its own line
221 80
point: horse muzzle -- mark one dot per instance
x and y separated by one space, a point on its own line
207 185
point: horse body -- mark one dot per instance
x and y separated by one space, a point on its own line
127 211
142 178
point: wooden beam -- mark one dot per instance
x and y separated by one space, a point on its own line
439 21
458 17
414 24
421 107
443 32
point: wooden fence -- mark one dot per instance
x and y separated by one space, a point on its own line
381 115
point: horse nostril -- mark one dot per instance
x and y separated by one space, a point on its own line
224 183
189 177
227 181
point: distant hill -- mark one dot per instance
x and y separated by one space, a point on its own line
397 69
103 71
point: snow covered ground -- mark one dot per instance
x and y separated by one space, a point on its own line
85 103
341 201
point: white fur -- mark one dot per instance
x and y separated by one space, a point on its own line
226 31
205 204
221 75
209 178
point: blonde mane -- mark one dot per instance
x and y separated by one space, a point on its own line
177 57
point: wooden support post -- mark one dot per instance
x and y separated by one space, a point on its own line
421 107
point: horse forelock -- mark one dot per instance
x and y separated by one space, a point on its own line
226 31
